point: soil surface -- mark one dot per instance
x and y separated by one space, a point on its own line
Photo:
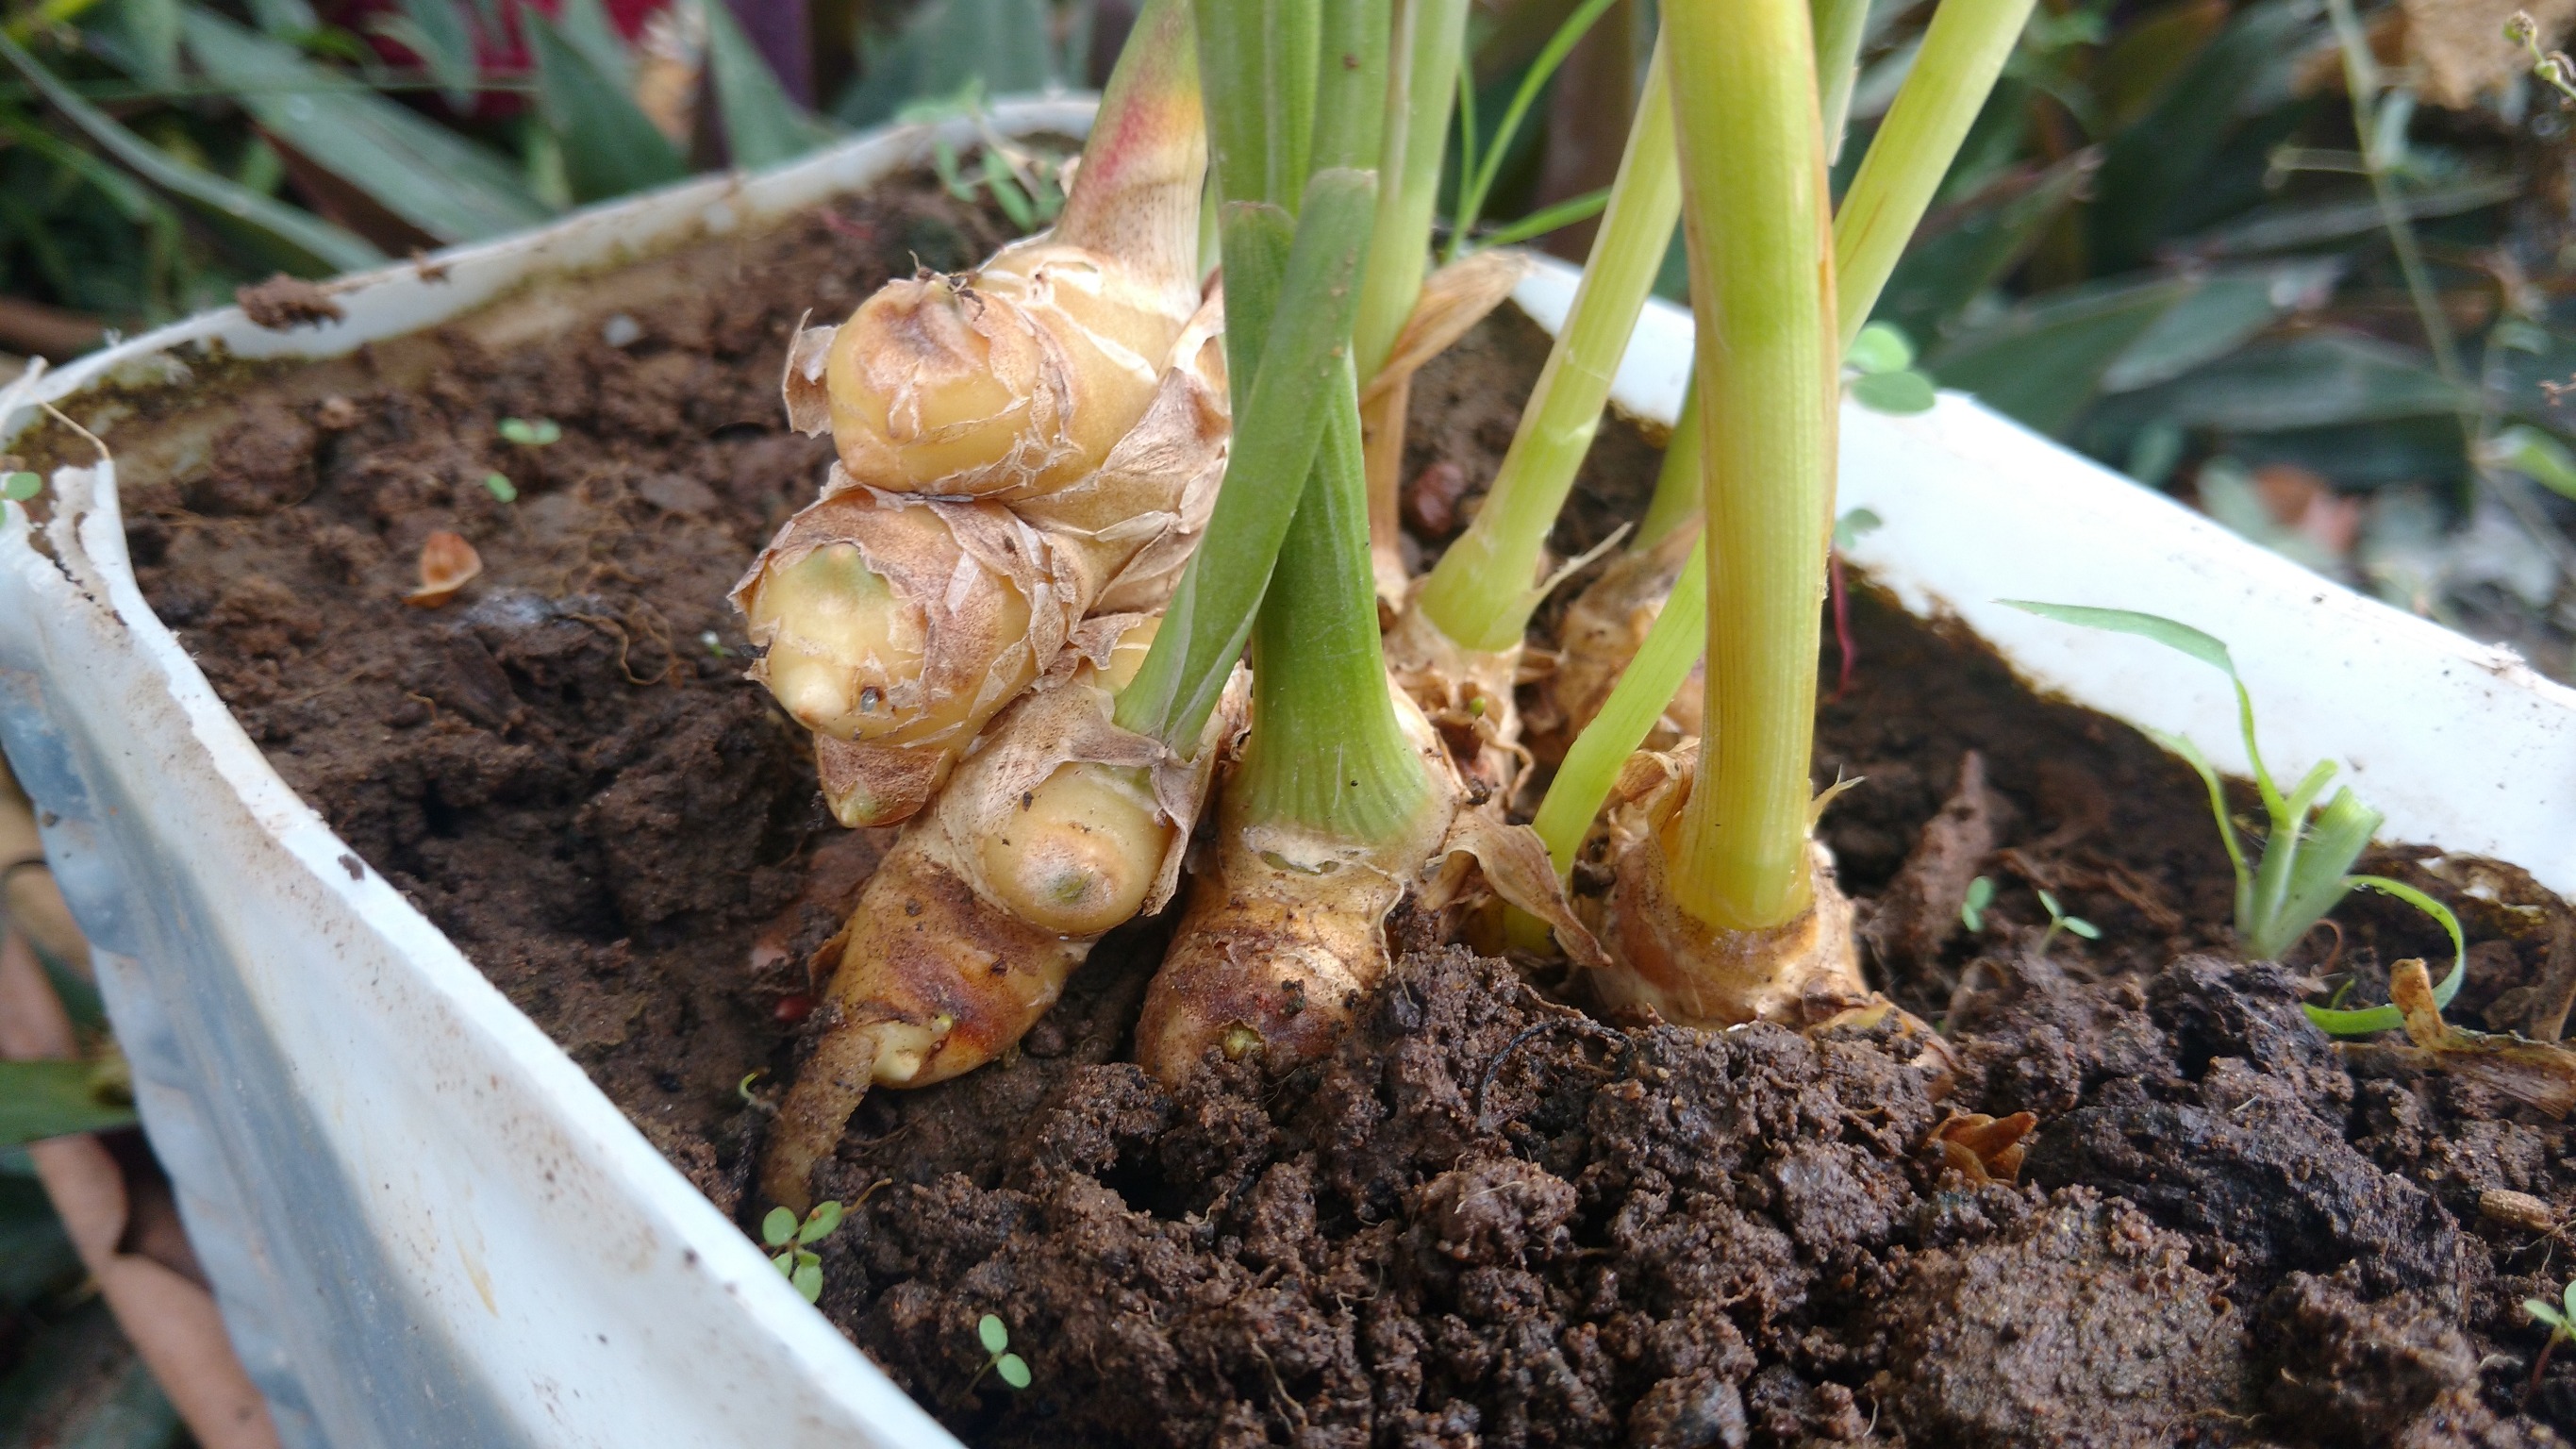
1490 1218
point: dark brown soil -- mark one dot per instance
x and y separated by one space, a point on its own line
1489 1219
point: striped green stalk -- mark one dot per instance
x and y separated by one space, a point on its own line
1483 589
1645 688
1325 751
1964 49
1257 59
1840 25
1422 79
1927 135
1279 407
1755 213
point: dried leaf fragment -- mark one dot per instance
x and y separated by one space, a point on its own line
1984 1149
447 563
2541 1074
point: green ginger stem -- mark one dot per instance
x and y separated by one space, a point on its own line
1755 212
1912 151
1964 49
1482 591
1427 39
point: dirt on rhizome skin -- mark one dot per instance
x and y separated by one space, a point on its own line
1490 1218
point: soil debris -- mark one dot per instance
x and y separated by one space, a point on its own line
284 303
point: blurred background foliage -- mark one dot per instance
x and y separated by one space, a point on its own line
2303 263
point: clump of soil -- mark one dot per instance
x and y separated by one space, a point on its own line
1489 1218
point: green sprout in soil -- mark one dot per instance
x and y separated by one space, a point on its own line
1972 910
530 432
1981 897
2561 1318
1879 372
500 487
19 487
2058 921
2303 867
999 1361
794 1241
2551 68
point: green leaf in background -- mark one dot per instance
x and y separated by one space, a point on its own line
2222 314
82 1386
2153 163
313 245
948 44
36 1256
2290 226
609 147
586 25
2151 54
2228 494
762 127
2313 380
56 1099
285 19
1942 272
1879 347
422 172
442 34
1901 392
2535 455
2041 362
139 37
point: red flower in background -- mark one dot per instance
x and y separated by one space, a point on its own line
503 54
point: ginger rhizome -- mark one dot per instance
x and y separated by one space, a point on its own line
1019 448
1059 827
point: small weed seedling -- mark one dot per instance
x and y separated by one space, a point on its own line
1879 368
999 1361
2301 869
2058 921
530 432
1972 911
19 487
795 1257
500 486
2561 1318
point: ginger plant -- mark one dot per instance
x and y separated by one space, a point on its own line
1724 909
1457 646
1060 826
1964 50
1329 803
1340 799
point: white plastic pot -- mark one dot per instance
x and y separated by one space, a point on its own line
427 1227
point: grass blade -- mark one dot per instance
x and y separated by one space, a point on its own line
610 148
586 25
422 172
1305 356
762 126
315 246
2177 636
2363 1022
55 1099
